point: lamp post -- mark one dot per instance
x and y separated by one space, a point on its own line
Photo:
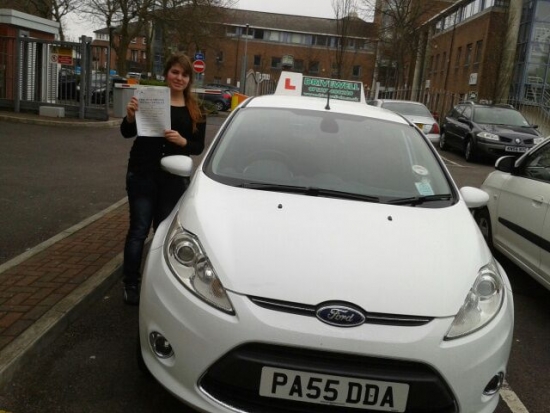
243 69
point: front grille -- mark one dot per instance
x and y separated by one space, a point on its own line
234 379
310 311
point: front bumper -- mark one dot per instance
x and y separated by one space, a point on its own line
217 356
499 149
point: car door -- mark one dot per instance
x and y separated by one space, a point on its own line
453 126
522 212
540 168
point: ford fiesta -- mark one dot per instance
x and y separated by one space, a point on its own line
311 266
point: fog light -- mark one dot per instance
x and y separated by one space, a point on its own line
160 345
494 384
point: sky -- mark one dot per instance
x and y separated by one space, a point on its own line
75 27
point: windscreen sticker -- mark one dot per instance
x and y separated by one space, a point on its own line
424 188
420 170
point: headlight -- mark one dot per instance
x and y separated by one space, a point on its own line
536 141
488 136
482 303
188 262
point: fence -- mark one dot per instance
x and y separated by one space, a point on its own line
37 73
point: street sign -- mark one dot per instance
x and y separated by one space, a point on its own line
199 66
199 56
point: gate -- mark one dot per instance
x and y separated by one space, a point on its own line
37 73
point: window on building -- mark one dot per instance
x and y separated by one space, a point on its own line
296 38
275 62
468 55
134 55
313 67
257 60
143 40
320 40
356 72
298 65
143 56
258 34
230 31
220 57
477 54
273 36
458 53
134 40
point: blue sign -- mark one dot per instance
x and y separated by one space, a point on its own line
199 56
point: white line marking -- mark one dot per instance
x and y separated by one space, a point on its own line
454 163
511 399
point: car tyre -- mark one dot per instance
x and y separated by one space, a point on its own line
483 220
219 105
443 142
469 151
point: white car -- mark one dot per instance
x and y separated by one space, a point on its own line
415 112
516 220
312 266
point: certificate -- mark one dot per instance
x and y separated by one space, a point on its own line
153 114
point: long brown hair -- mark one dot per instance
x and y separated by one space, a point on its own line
190 101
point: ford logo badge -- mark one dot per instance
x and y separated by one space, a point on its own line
340 315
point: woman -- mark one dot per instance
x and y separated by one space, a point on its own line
153 192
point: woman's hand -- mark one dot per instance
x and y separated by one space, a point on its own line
174 137
131 109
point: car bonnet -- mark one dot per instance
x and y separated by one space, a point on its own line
389 259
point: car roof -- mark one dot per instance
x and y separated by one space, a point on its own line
296 91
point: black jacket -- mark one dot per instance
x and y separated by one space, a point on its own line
147 151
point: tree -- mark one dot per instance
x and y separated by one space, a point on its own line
344 12
398 24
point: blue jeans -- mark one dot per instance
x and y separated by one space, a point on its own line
151 198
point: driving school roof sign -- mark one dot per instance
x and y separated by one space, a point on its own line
296 84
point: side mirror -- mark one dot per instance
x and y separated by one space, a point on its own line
474 197
178 165
506 164
462 119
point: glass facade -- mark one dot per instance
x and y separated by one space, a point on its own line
531 81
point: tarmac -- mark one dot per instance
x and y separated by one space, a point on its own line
44 289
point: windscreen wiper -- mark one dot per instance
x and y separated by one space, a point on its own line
417 200
309 190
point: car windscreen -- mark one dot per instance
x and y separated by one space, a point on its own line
499 116
329 151
406 108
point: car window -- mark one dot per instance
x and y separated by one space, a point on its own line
467 113
537 165
327 150
456 111
499 116
406 108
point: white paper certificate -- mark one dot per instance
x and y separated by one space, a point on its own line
153 114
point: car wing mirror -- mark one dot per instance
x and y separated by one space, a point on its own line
506 164
474 197
177 164
462 119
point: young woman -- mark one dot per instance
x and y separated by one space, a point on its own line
152 192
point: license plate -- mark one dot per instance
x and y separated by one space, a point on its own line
420 125
333 390
516 149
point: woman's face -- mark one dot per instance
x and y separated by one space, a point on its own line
177 79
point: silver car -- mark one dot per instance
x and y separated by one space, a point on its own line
415 112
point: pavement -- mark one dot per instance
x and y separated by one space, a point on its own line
44 289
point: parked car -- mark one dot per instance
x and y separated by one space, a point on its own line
221 99
487 130
67 84
232 89
415 112
312 266
516 219
98 87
